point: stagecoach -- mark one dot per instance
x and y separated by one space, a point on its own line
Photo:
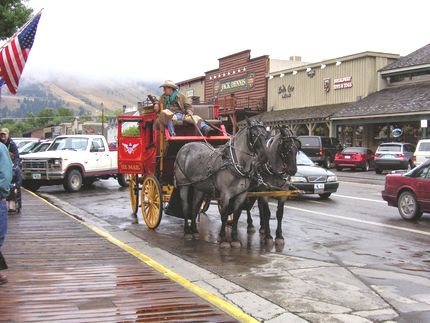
147 155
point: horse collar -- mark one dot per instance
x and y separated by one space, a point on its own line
235 163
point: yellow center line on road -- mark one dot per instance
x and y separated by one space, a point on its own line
226 307
359 198
345 218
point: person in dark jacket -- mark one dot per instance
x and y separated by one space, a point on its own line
14 155
5 179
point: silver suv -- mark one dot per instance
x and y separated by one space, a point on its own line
394 155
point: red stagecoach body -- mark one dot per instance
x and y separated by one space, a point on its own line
148 156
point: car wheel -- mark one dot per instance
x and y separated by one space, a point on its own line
408 206
366 166
378 171
339 168
326 162
73 181
123 180
324 196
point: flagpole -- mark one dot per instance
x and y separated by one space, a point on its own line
19 30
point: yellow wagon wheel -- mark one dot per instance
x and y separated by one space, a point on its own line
134 192
152 202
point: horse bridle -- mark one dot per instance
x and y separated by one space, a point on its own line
251 146
252 142
292 142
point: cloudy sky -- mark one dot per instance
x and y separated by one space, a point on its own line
154 40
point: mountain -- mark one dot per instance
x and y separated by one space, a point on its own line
82 96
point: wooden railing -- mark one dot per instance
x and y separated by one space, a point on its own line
230 105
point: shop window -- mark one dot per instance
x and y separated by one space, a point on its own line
302 130
346 135
358 138
321 130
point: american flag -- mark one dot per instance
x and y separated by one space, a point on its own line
14 55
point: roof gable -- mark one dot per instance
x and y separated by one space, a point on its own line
419 57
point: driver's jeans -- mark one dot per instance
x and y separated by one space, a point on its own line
168 118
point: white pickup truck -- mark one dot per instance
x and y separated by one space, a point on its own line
71 160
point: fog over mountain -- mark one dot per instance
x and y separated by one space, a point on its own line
82 95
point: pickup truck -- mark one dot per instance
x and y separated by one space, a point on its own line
71 160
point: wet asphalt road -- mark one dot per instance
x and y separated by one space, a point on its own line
353 229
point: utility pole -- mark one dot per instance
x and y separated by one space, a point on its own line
103 119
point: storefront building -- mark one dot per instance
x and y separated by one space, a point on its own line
238 85
307 97
194 89
397 111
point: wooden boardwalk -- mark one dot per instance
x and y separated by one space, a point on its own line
59 270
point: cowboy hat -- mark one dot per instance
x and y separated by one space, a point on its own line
170 84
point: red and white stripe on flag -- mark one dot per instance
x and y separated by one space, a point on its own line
12 61
15 53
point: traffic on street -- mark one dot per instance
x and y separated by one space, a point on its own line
347 254
195 171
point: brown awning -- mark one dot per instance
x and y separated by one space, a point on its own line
320 113
393 101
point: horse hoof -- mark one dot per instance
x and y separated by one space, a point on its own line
224 245
196 235
236 244
279 241
261 230
188 236
134 220
269 241
250 230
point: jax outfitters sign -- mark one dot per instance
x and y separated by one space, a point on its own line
243 83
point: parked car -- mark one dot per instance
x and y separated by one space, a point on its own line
409 192
43 146
71 160
394 155
422 152
355 157
313 179
34 146
319 149
21 142
28 147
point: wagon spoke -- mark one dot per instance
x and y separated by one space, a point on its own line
151 195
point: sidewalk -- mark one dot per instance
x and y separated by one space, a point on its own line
60 270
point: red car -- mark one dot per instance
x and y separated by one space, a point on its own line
410 192
355 157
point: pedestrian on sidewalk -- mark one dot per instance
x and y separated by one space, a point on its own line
14 155
5 180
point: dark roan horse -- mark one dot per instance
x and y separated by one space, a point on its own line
201 170
282 162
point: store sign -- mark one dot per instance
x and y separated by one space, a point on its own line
189 93
244 83
424 124
342 83
397 132
285 92
326 85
